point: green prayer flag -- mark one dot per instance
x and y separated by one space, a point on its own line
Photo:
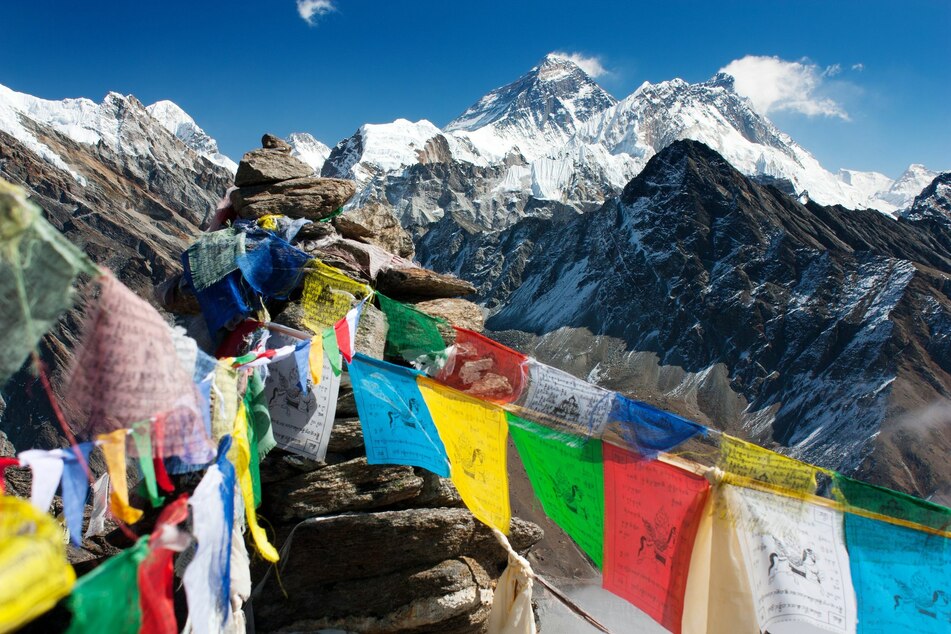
891 503
107 599
141 435
332 350
37 269
254 466
259 415
412 333
568 478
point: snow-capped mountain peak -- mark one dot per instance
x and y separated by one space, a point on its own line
539 111
308 149
180 124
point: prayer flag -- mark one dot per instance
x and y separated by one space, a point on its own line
302 358
649 430
747 460
568 478
328 295
902 577
75 486
891 503
107 599
474 433
240 455
47 470
651 514
113 450
346 331
142 437
397 427
155 572
271 266
316 359
214 255
34 573
484 368
331 351
412 334
100 504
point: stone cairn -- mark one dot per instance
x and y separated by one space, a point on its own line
371 548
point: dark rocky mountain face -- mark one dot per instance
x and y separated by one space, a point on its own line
820 331
933 204
133 206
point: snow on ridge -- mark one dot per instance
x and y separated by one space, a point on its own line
308 149
171 116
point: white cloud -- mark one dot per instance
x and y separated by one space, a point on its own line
858 67
588 63
775 85
310 10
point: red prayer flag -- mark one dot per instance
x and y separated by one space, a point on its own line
484 368
651 514
4 464
155 571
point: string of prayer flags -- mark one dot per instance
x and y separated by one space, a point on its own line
331 351
649 430
207 578
75 486
113 450
100 505
412 333
47 470
34 573
214 255
38 267
397 427
564 402
107 599
738 457
474 433
860 495
116 381
902 577
568 478
484 368
652 511
240 456
272 267
796 562
328 295
301 419
156 570
346 331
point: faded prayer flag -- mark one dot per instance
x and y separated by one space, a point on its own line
796 562
568 478
34 573
397 427
301 420
214 255
328 295
564 402
484 368
651 514
38 266
747 460
902 577
272 267
474 433
107 599
649 430
891 503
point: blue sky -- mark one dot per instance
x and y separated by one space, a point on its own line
864 85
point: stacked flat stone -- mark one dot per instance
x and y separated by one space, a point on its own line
397 550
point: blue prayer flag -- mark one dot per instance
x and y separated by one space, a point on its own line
272 267
397 427
649 430
75 486
302 357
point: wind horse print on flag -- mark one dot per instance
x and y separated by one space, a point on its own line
902 577
475 434
796 562
651 514
484 368
397 427
568 478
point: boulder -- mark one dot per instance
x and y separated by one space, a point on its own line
371 332
263 166
452 596
175 296
376 224
458 312
271 142
299 197
420 283
348 486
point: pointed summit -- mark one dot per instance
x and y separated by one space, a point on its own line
539 111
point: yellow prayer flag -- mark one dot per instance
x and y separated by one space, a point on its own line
327 295
738 457
113 450
34 574
240 455
224 400
269 221
474 433
316 359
